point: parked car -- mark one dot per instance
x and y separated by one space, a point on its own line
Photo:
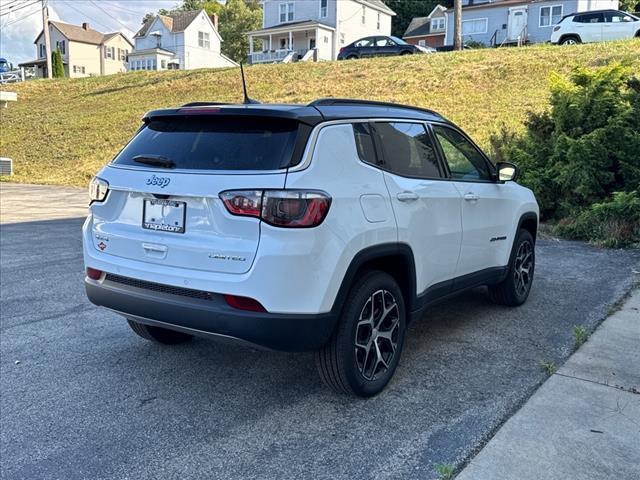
5 66
595 26
325 227
380 46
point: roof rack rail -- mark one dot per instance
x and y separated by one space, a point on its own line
326 102
204 104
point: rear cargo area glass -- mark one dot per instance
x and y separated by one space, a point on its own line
222 143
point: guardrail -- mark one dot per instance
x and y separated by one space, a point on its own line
12 76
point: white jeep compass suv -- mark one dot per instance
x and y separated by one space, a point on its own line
595 26
324 227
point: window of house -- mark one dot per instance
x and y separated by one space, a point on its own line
422 43
475 26
203 40
437 23
286 12
163 64
364 15
61 45
407 149
464 160
43 51
550 15
342 38
323 8
110 52
378 22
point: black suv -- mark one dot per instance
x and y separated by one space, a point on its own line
378 47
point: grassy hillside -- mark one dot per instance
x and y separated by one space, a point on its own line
63 131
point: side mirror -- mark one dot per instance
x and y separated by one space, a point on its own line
507 172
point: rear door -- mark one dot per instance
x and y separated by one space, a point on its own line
488 208
589 26
426 206
163 205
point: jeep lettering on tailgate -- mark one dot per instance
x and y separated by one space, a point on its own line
158 181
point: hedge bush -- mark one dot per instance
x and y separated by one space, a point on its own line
577 155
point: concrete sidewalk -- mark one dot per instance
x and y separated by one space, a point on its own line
584 421
21 202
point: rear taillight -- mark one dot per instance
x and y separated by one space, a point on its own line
280 208
244 303
341 50
98 189
94 273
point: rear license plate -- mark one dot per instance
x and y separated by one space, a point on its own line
164 215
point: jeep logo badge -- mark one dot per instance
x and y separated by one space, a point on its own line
158 181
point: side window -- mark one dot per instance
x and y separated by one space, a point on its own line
365 42
364 143
407 149
464 160
589 18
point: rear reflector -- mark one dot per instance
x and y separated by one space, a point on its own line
93 273
280 208
244 303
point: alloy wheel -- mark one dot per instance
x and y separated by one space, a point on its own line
523 267
377 334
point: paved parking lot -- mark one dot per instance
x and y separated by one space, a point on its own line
83 397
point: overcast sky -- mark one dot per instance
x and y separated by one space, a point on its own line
20 28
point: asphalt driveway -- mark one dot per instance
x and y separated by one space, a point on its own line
83 397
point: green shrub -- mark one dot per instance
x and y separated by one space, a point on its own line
613 223
577 154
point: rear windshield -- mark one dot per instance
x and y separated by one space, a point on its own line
205 143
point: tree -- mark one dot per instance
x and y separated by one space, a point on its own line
457 18
629 5
57 66
236 19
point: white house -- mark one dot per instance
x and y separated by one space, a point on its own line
84 51
500 22
180 41
315 29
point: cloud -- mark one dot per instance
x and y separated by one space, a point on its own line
19 29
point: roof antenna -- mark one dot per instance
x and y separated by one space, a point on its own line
247 100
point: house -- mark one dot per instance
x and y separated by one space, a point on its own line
315 29
428 31
179 41
84 51
500 22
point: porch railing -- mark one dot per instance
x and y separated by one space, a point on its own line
277 56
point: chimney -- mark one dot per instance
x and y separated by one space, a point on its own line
85 26
214 19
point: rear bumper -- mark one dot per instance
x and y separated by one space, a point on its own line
213 317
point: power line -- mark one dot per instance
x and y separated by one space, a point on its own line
17 9
85 14
107 13
20 19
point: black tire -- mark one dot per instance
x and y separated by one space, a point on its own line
514 289
406 52
352 57
570 40
348 368
158 334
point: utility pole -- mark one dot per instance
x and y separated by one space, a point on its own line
47 39
457 19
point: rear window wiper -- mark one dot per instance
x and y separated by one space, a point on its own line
155 160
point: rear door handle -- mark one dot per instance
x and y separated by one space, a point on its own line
471 197
407 196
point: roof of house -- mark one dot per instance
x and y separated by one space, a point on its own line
76 33
299 23
379 4
175 22
419 26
